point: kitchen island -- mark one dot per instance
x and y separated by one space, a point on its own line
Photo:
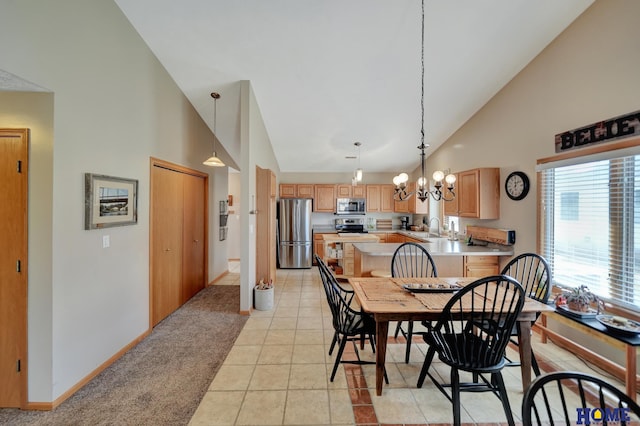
338 251
452 258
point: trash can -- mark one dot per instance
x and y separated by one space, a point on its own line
263 299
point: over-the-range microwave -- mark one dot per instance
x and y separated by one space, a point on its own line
351 206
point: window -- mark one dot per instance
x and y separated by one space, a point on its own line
590 223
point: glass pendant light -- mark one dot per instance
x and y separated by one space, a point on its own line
214 161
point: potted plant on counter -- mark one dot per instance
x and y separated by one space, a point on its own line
578 299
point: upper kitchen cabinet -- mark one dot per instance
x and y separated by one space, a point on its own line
296 190
477 194
379 198
350 191
415 205
324 199
411 204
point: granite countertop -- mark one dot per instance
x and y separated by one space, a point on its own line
438 247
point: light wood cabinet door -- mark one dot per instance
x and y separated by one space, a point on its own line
450 208
288 190
373 198
396 238
305 190
325 199
359 191
469 201
350 191
481 266
415 205
477 194
386 198
343 191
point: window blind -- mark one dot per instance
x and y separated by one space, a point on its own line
590 225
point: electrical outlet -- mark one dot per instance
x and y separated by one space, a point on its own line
106 242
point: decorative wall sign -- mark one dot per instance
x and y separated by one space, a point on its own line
109 201
613 129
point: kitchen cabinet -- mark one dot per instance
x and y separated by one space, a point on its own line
415 205
318 247
324 199
382 236
480 266
350 191
379 198
450 208
296 190
339 251
396 238
386 198
477 194
411 204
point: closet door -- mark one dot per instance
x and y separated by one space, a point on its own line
193 235
166 220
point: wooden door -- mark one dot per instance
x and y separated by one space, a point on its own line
14 154
166 242
265 226
193 235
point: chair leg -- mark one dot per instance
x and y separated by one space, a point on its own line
372 341
409 339
343 343
333 342
496 379
425 366
455 396
534 364
398 328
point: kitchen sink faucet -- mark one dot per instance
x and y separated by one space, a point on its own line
437 220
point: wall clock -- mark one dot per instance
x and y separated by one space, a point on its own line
517 185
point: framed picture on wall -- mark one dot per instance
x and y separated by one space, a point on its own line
109 201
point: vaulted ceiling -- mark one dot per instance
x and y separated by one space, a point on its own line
328 73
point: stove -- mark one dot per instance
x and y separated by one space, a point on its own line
350 225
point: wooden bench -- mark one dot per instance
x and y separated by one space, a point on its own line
592 327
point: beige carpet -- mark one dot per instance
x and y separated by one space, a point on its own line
161 380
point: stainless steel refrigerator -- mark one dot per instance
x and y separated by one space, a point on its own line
295 241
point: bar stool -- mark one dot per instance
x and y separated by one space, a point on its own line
380 273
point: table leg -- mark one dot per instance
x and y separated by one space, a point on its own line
382 330
524 347
631 371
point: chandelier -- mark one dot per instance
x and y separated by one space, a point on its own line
422 185
214 161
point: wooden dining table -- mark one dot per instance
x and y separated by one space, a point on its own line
387 300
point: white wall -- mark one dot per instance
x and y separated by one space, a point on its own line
35 112
587 74
256 151
114 106
233 243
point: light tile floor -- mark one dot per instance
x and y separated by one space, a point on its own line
278 372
